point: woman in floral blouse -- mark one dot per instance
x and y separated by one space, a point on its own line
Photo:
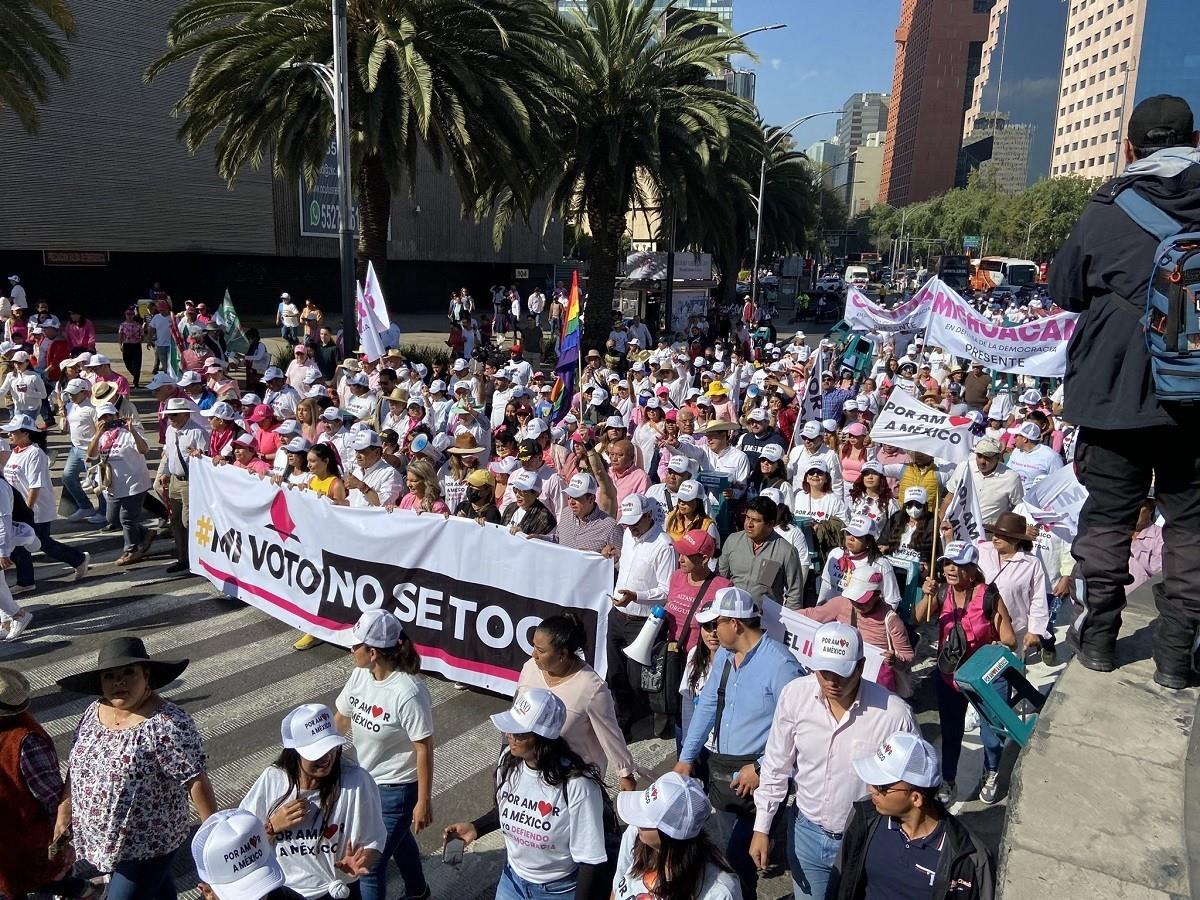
135 762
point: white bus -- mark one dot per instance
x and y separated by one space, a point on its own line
993 271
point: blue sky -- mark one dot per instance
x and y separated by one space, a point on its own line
830 50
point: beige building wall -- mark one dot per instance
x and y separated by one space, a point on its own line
1099 80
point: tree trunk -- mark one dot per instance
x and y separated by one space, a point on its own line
608 227
374 208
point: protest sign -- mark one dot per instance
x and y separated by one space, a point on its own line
962 506
469 596
1056 501
864 314
906 422
1035 348
796 631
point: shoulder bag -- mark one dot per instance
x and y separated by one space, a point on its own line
667 660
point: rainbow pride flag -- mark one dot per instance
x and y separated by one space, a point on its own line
568 353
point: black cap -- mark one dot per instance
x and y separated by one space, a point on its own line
1161 121
528 449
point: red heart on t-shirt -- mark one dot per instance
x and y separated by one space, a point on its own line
330 831
376 712
545 808
254 841
959 420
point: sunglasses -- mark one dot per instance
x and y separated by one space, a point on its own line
887 788
709 626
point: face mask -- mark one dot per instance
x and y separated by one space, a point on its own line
475 494
913 508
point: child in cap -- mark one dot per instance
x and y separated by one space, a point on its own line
860 549
390 712
665 842
543 788
320 808
234 861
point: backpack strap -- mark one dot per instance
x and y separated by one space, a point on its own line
1146 215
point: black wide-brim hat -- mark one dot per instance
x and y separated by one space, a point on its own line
120 652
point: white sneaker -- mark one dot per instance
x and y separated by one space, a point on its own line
97 519
22 589
972 721
81 515
82 568
5 625
20 623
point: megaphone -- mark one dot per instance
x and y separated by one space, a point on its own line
642 650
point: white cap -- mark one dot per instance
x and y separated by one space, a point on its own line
77 386
758 414
690 490
20 422
523 480
916 494
811 430
536 710
358 378
285 296
835 648
632 509
20 356
581 483
679 464
437 387
331 414
309 730
187 379
249 399
718 367
364 439
775 495
570 419
850 405
505 465
287 428
1028 430
220 410
298 445
771 452
1031 397
615 422
599 395
460 365
960 553
653 403
861 526
234 857
829 425
106 409
699 362
536 427
377 628
730 602
674 804
97 359
865 580
816 464
903 757
272 373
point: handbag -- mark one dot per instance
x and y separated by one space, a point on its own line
955 648
667 660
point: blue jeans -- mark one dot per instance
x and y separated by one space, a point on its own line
128 512
143 879
52 548
398 802
811 855
162 358
73 469
513 887
952 711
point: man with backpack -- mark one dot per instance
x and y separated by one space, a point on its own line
1126 400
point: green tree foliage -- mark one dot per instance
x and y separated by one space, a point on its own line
31 48
1031 224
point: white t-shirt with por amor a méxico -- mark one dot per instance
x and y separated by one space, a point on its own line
550 830
308 851
28 468
387 717
717 885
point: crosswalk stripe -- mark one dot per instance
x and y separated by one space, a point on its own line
158 643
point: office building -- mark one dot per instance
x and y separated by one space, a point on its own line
107 184
1018 72
825 158
999 149
857 182
939 46
862 114
722 9
1117 53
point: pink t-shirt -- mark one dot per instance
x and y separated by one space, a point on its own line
680 596
413 502
632 481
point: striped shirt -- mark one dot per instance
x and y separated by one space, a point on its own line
592 533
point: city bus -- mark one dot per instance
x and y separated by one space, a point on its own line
954 270
993 271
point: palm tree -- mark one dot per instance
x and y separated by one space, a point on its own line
30 43
456 79
641 118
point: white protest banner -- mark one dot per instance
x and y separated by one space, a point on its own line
469 597
1036 348
796 631
369 342
906 422
1056 501
864 314
810 402
373 295
962 507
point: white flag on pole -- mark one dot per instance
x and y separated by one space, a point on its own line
368 332
962 507
810 400
373 295
908 423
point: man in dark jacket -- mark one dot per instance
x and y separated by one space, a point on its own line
1128 438
915 846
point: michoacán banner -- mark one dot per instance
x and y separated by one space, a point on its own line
469 596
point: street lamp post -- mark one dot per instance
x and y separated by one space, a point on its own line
762 187
1029 234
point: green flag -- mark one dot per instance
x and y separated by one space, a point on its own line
227 318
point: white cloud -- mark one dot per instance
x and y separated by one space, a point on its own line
776 63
